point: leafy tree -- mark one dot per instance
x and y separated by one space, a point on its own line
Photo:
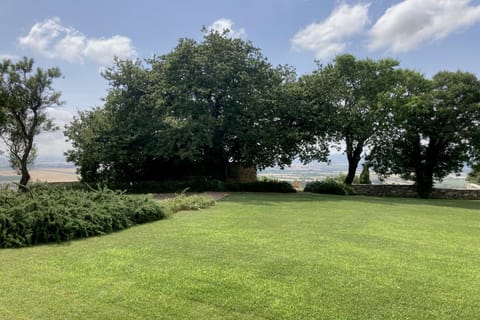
115 142
345 101
194 110
228 102
87 133
431 127
25 94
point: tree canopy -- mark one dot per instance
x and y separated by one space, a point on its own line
25 95
211 103
203 105
431 128
344 99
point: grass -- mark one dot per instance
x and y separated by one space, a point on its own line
262 256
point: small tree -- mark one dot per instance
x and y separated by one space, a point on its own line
365 175
25 94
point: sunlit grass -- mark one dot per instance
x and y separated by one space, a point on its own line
253 256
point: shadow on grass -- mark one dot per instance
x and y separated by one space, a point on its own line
269 198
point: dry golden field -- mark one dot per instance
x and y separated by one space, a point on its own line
47 175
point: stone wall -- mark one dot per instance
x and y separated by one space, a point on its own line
465 194
408 191
239 173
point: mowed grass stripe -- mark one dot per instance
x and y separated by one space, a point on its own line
255 256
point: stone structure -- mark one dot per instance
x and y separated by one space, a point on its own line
238 173
408 191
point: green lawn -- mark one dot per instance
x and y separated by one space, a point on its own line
262 256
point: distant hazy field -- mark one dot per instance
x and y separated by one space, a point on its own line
320 171
44 175
297 172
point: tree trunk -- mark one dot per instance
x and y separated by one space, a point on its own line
353 159
424 183
424 172
25 175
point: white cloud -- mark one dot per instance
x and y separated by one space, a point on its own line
223 24
53 144
329 38
60 116
53 40
408 24
101 49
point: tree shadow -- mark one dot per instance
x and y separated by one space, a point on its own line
275 198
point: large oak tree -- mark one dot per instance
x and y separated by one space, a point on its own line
205 104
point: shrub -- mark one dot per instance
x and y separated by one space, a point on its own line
261 186
329 186
205 184
184 202
198 184
46 213
341 179
195 185
365 175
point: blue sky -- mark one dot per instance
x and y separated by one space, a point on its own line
81 37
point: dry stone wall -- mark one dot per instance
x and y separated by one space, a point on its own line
408 191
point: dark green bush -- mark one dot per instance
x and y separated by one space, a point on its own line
53 214
205 184
329 186
261 186
167 186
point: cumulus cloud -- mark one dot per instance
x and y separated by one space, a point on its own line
53 40
223 24
53 144
329 38
406 25
60 116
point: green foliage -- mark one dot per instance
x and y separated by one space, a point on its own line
47 213
261 186
187 113
197 184
87 134
474 175
344 100
25 95
365 175
329 186
341 178
431 128
203 184
186 202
